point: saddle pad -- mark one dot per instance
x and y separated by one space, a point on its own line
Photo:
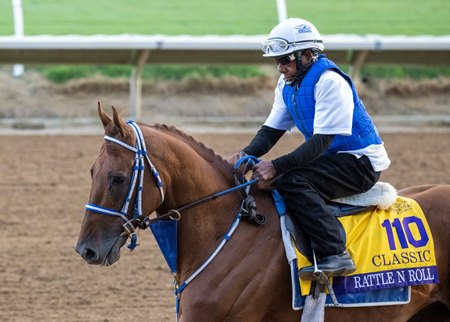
392 248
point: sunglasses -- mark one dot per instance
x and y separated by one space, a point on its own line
284 60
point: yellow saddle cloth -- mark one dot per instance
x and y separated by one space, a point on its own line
391 248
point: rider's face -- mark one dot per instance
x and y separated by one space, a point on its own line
288 70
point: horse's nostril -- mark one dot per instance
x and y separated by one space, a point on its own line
89 255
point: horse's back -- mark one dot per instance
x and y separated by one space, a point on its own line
435 203
425 189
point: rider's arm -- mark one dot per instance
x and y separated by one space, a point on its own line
305 153
263 141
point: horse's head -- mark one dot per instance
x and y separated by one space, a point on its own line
115 180
122 197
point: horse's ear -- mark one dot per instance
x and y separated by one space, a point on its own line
106 120
120 124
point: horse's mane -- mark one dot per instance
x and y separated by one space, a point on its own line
206 152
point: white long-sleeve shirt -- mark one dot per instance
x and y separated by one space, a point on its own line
333 115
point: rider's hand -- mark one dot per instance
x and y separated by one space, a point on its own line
264 172
235 157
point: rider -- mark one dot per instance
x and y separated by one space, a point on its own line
343 153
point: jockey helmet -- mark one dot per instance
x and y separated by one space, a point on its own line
292 35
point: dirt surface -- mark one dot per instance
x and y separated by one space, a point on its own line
44 186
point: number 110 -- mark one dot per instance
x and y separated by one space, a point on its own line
404 233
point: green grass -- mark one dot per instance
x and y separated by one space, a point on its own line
199 17
63 73
380 71
389 71
170 17
384 17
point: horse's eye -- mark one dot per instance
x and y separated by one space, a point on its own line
118 180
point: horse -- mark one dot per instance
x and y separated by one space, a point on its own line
249 279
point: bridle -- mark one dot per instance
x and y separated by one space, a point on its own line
138 221
137 180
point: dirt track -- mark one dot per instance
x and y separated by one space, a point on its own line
44 185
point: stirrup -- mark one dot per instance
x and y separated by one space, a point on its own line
320 281
320 277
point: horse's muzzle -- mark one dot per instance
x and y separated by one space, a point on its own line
106 255
89 255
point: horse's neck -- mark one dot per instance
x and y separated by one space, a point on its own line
191 174
203 226
201 230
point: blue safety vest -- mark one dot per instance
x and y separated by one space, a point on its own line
301 104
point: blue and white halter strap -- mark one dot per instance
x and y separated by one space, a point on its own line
137 180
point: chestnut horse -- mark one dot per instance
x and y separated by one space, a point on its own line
249 279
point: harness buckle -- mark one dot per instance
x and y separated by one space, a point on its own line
129 227
249 211
177 217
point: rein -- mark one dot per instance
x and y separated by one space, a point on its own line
146 222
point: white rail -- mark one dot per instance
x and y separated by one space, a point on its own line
18 69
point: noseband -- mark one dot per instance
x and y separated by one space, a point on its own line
137 180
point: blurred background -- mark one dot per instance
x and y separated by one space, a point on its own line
239 85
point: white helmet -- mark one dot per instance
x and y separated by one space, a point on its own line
291 35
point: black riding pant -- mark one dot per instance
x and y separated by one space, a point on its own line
306 188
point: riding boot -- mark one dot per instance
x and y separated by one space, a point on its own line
334 265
